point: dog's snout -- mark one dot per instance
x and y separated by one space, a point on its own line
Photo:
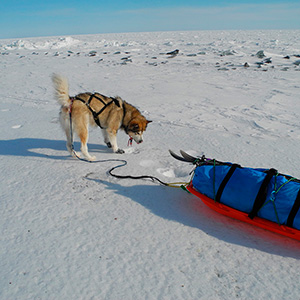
138 139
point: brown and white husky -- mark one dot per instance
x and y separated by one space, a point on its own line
109 113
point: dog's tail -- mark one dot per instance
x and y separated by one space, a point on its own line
61 87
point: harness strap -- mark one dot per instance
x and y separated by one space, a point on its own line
124 113
126 128
96 114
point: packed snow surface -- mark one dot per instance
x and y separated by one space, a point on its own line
71 231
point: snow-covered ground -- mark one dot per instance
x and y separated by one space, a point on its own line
70 231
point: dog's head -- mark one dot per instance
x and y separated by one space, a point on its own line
136 128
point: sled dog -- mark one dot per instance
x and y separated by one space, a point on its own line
109 113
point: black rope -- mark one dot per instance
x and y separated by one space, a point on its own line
123 164
134 177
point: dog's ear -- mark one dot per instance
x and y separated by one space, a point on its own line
148 121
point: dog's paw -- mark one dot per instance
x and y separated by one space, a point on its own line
75 154
108 145
120 151
91 158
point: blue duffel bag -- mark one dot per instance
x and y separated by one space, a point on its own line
258 192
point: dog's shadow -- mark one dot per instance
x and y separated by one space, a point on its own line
178 206
35 147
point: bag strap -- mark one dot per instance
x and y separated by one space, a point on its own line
262 193
294 211
225 181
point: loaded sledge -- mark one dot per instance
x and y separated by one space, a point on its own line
262 197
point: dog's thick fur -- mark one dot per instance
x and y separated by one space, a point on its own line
118 114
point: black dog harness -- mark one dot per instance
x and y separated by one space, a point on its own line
94 113
135 129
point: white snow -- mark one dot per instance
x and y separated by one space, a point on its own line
70 231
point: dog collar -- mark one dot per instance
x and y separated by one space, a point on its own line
130 141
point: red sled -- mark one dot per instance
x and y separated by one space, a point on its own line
241 216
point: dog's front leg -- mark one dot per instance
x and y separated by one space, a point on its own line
112 141
106 138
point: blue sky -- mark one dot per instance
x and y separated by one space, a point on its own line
31 18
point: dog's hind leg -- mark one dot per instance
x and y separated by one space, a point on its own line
69 141
83 135
65 124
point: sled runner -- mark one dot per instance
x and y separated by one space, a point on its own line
262 197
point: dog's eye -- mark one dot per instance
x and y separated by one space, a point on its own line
135 127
